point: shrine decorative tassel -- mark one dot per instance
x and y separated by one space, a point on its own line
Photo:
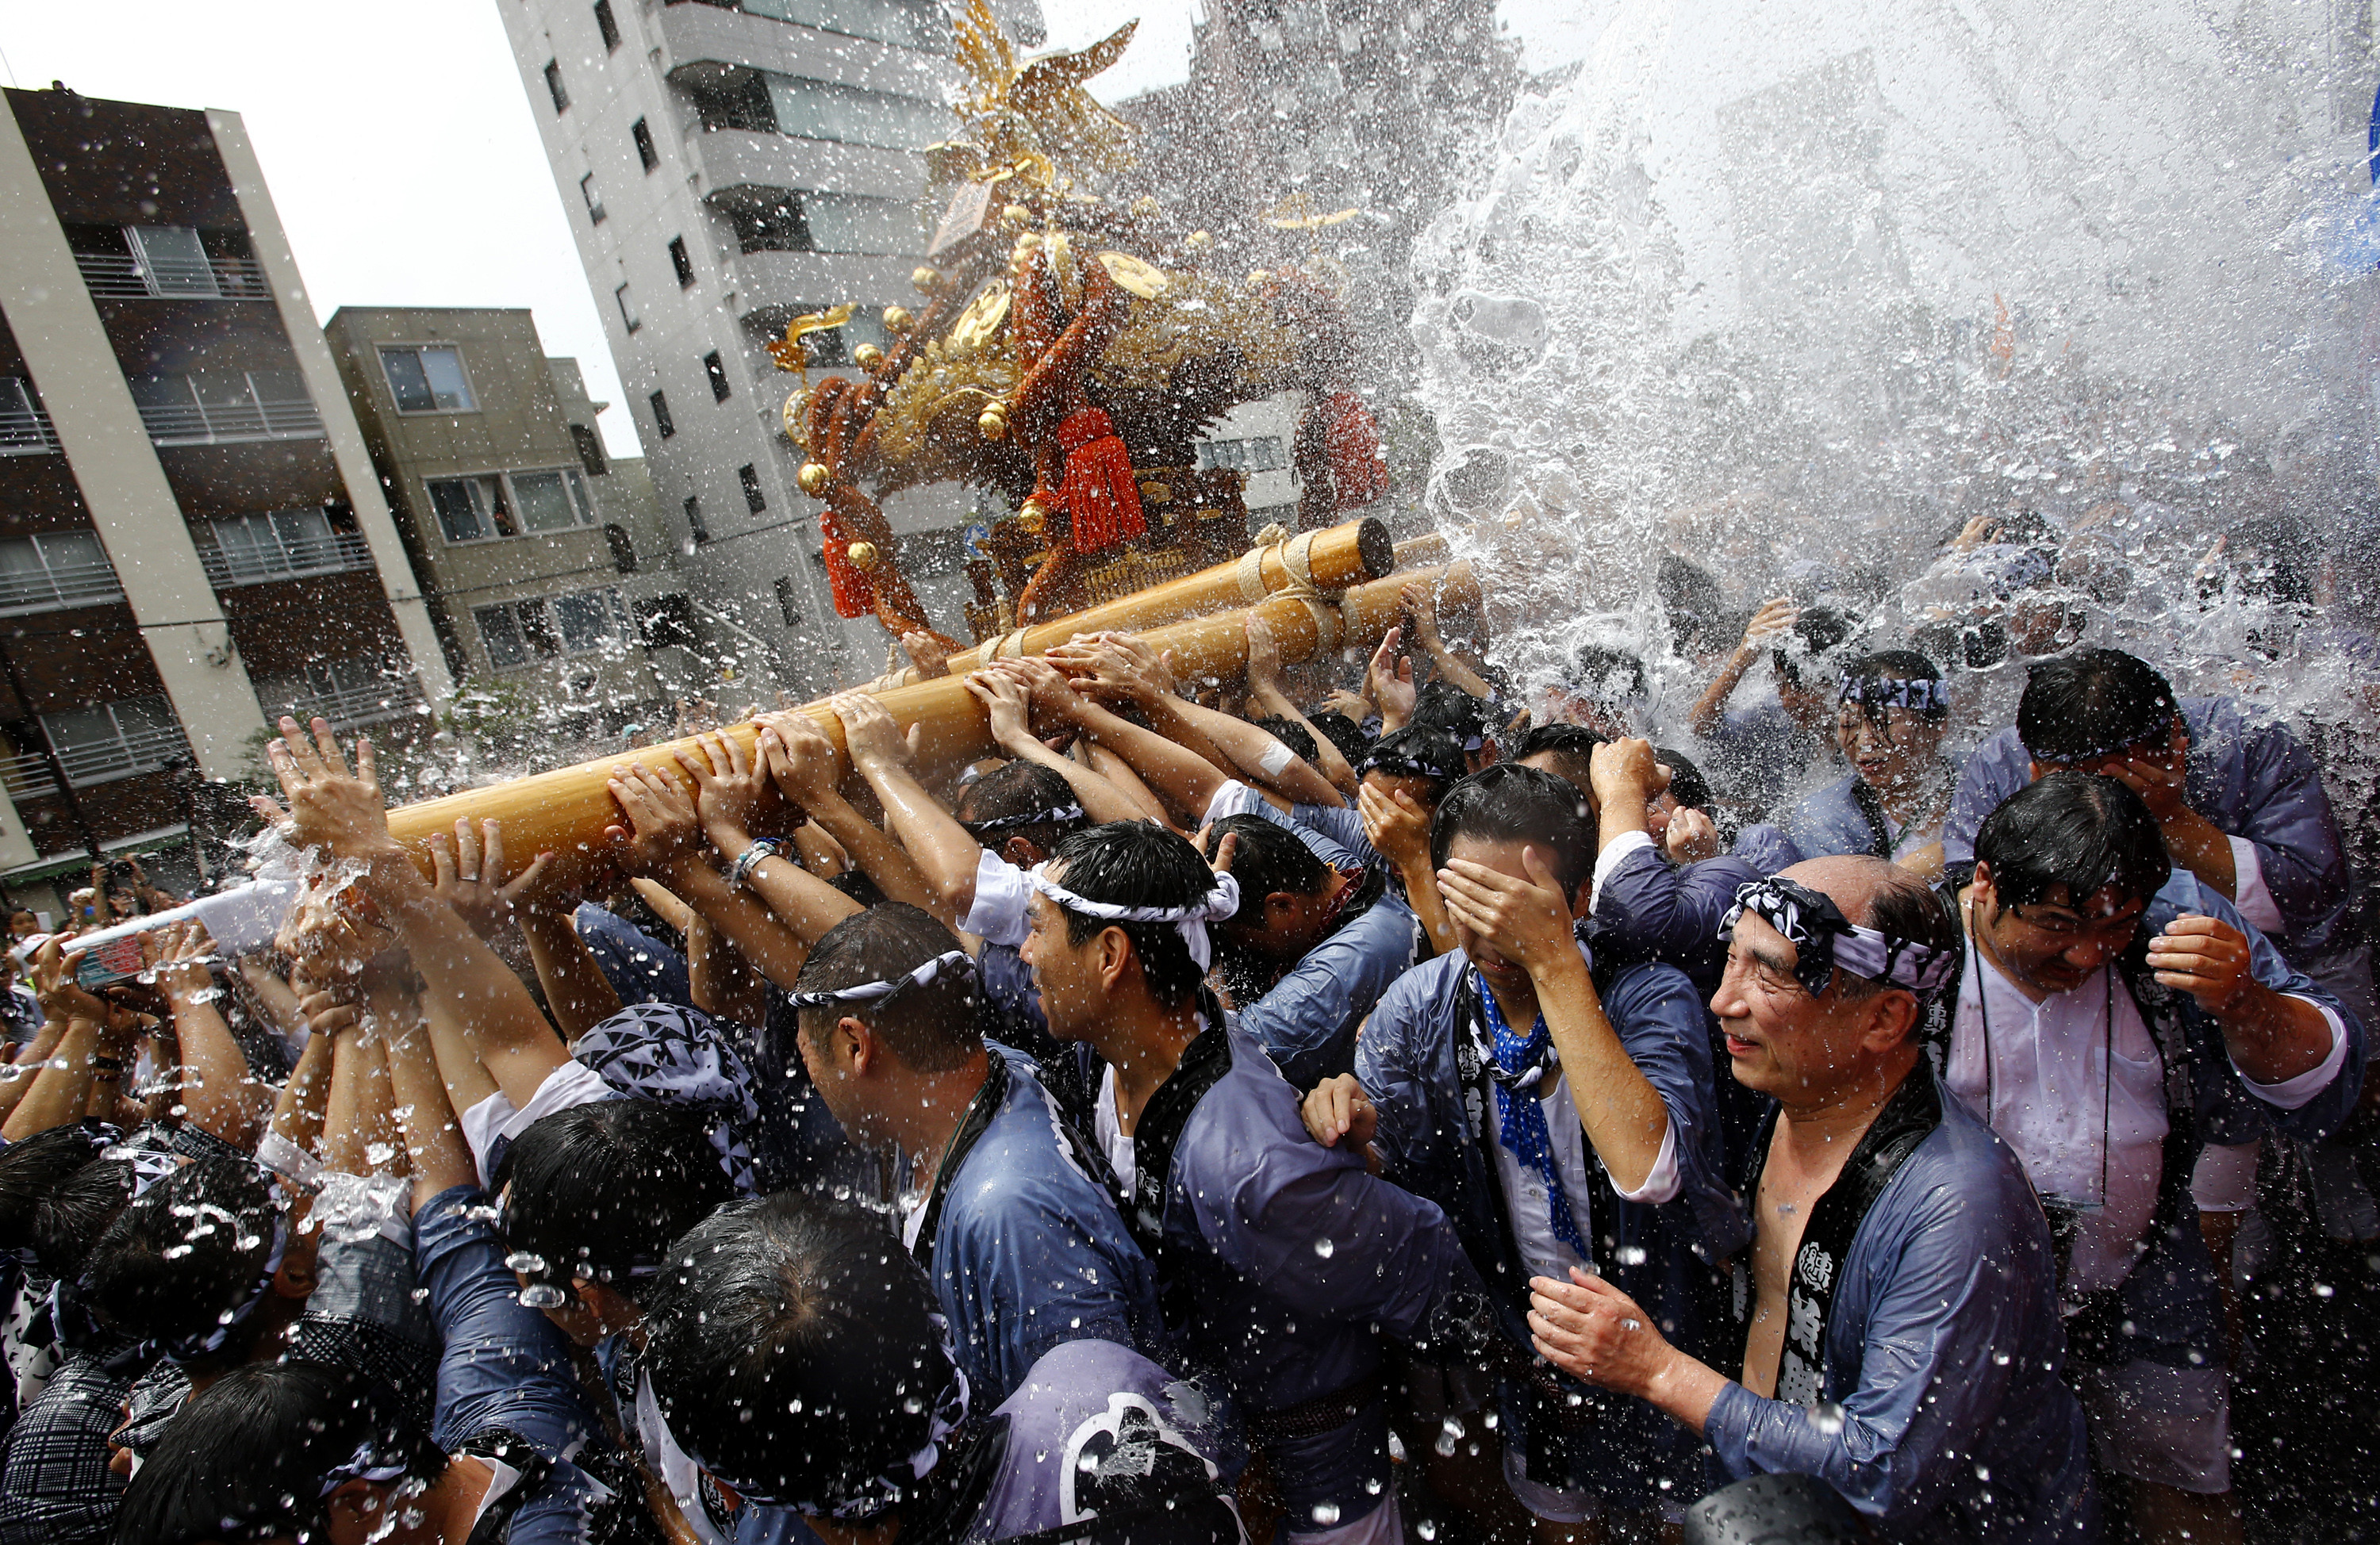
1351 440
855 593
1098 492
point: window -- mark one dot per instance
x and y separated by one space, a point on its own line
554 85
24 426
428 381
472 508
855 223
770 224
793 613
661 421
717 371
1262 454
210 407
172 259
594 199
608 25
849 114
694 520
911 26
590 450
681 262
116 740
627 308
520 632
643 136
60 568
755 499
543 501
249 549
740 102
355 690
624 552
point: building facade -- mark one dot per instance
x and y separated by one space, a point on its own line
191 537
538 566
726 168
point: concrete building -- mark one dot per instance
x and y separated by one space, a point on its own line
191 537
726 168
538 566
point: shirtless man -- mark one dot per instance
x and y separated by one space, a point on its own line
1903 1342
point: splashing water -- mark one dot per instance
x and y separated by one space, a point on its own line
1792 290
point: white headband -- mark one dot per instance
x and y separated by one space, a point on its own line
867 992
1190 922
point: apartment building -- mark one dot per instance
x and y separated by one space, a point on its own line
536 564
725 167
191 536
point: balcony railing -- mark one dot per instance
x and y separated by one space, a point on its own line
25 431
355 707
113 276
197 423
27 776
60 584
313 555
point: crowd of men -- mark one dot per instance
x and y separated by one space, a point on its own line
1334 1111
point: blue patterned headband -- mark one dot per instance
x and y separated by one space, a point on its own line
1917 693
872 992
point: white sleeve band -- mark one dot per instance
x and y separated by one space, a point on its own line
1276 757
1001 897
2224 1180
1234 797
1662 1184
1606 861
2289 1093
495 1119
288 1160
2250 893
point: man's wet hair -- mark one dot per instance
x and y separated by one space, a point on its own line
2094 703
1571 747
1901 907
1605 675
1138 864
246 1457
77 1212
1692 600
1419 751
599 1191
183 1253
32 1171
2077 829
1508 803
1445 706
1821 629
1687 784
932 1027
1008 793
1269 857
1290 733
1343 733
792 1348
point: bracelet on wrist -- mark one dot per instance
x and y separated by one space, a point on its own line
740 871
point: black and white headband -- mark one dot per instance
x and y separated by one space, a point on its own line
1190 922
870 992
1823 939
1063 815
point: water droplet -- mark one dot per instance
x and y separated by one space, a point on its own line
1827 1417
1326 1513
526 1262
1426 1528
1324 1247
542 1294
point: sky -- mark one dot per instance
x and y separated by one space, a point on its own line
399 147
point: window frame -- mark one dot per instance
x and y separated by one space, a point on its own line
627 304
585 516
756 496
607 26
537 633
594 199
462 367
647 151
695 525
664 422
682 263
555 88
786 601
714 369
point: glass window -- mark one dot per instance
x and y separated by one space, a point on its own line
755 499
425 380
501 635
624 552
661 419
607 24
681 262
786 605
471 508
172 259
545 501
627 308
884 20
716 370
578 497
554 85
693 519
590 450
584 621
643 136
825 110
594 199
855 223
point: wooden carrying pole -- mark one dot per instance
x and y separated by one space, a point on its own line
1327 559
564 812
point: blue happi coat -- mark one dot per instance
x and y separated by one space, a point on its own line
2246 774
1667 1257
1946 1417
1028 1250
1307 1020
